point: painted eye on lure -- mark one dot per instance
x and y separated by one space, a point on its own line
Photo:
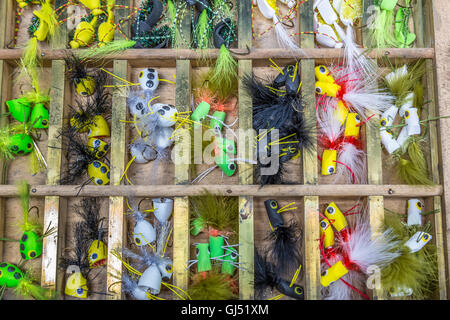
336 217
97 254
323 74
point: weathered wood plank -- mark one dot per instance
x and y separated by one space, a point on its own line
116 220
399 191
4 80
434 141
55 208
374 165
246 236
310 163
181 237
255 54
440 24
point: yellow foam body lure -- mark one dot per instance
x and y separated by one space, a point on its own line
85 87
99 127
97 254
107 28
99 173
334 273
329 162
327 232
352 125
84 34
336 217
76 286
323 74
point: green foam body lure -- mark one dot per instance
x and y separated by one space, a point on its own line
216 246
402 34
226 145
200 112
20 144
20 109
10 275
30 245
224 162
39 116
217 121
230 258
203 256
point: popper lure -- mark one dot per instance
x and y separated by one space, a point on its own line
389 28
270 10
23 282
350 252
343 154
94 233
331 16
30 243
284 239
404 141
353 88
268 276
413 274
278 105
217 260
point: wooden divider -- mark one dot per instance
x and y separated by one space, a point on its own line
116 220
181 235
4 81
55 210
437 12
434 143
374 164
246 237
56 204
310 163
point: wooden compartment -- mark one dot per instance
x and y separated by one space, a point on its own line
310 190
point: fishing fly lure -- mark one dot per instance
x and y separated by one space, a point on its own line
217 259
356 91
279 122
23 282
94 233
268 276
30 243
349 253
331 16
20 140
270 10
85 32
83 159
414 272
388 28
284 239
76 265
146 29
341 144
404 143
